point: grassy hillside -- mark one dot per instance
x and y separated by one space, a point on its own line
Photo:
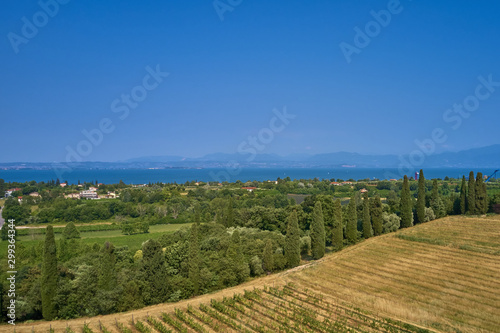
440 276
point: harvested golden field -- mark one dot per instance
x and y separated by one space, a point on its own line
449 287
440 276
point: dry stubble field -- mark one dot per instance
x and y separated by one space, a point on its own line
441 276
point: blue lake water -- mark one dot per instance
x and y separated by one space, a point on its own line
135 176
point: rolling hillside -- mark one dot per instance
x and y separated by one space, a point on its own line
442 276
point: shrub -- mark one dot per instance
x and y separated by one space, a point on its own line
392 222
305 245
256 266
429 214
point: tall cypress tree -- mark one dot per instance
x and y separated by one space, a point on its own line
194 259
318 232
197 213
338 229
367 224
481 196
486 199
376 213
292 241
352 222
49 275
421 197
437 203
406 210
154 272
471 195
267 257
106 280
463 197
239 265
229 214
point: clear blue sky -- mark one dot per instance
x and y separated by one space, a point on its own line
226 76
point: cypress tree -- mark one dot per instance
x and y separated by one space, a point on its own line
405 205
49 275
377 218
471 195
486 204
338 229
240 267
481 195
437 203
352 222
194 259
197 213
318 232
327 204
292 241
70 231
268 259
421 198
218 217
463 197
367 225
154 272
5 232
229 215
106 279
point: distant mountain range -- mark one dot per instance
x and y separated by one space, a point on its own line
477 157
485 157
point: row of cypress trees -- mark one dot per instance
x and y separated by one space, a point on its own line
473 199
372 225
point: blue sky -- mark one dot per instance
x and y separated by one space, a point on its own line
227 76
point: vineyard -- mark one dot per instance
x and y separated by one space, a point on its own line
287 309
